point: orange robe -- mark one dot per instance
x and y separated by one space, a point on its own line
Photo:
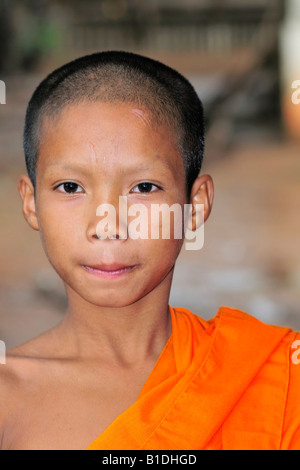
229 383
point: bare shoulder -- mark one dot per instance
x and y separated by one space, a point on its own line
9 390
23 368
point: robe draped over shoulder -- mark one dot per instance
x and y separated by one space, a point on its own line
228 383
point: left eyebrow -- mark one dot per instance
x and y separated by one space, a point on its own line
143 168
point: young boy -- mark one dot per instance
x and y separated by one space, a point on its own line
124 370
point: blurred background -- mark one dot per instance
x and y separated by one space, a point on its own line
242 56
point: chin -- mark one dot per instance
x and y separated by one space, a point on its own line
109 300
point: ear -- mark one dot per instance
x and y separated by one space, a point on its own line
26 191
202 196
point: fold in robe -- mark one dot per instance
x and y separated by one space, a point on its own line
228 383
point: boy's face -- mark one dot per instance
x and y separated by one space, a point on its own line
91 155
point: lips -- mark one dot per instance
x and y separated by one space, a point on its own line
109 270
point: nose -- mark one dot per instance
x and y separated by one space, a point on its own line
108 220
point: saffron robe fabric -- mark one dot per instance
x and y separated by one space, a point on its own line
226 384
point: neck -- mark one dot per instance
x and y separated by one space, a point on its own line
126 336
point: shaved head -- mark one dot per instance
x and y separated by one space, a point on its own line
164 95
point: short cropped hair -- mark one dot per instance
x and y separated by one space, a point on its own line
116 77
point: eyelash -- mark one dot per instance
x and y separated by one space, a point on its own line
145 183
70 183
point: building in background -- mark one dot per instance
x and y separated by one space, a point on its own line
229 48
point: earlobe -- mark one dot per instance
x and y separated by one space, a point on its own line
26 191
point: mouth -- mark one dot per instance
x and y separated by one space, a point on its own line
109 271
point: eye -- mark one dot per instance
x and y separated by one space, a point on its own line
70 188
145 187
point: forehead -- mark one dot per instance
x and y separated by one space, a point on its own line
100 132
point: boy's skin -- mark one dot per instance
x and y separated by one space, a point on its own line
62 389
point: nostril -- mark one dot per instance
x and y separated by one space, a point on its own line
115 237
104 237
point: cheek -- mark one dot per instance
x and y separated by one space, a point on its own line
59 232
161 220
161 254
158 233
161 259
167 223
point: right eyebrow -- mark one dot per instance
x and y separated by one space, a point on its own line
75 168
